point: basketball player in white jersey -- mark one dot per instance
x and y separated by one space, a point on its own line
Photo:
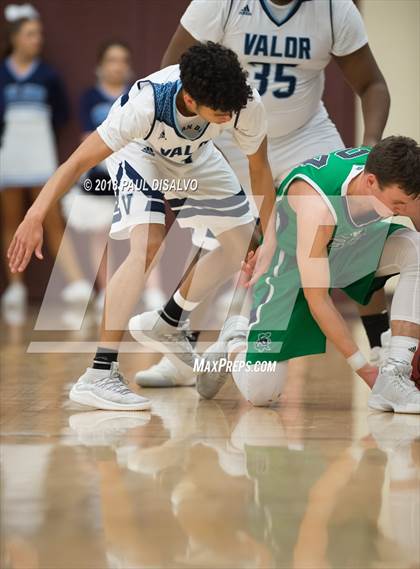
163 130
285 45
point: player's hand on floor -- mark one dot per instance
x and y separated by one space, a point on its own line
369 374
27 239
256 265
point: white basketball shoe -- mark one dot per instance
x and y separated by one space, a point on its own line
107 390
165 374
151 330
211 380
394 390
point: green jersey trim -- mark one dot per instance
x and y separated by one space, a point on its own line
267 280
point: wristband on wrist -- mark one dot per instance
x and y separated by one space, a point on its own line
357 360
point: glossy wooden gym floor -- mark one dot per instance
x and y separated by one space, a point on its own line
315 482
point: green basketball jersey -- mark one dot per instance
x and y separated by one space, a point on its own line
329 175
281 324
328 172
357 240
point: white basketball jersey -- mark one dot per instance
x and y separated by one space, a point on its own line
148 114
284 48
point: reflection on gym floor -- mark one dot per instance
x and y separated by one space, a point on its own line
316 482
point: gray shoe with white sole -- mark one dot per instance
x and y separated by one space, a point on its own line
394 390
151 330
107 390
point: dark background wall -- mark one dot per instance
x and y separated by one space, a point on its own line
74 29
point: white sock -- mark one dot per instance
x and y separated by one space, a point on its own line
234 332
233 327
235 344
403 348
185 304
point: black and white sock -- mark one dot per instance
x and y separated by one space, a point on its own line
375 325
104 358
177 310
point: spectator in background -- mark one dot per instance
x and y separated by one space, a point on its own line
93 213
33 105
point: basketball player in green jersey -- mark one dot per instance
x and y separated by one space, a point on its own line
332 230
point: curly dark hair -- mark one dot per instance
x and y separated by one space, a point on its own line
396 160
213 76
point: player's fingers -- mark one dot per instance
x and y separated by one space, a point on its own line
258 273
19 256
243 276
253 280
246 274
25 260
11 247
38 251
244 266
15 256
248 269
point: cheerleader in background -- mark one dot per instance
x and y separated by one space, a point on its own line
93 213
33 105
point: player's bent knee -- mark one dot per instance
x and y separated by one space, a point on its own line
145 245
262 383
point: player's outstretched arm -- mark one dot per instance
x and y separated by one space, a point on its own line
315 228
365 78
29 235
263 190
258 262
262 185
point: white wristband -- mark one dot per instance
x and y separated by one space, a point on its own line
357 360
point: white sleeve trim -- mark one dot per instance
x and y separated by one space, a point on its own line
349 29
101 130
205 20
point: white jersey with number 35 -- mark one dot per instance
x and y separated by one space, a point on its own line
285 49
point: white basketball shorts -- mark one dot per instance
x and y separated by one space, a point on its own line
204 195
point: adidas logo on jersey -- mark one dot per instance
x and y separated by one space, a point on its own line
148 150
245 11
162 135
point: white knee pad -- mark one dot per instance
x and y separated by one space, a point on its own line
259 384
401 254
410 250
